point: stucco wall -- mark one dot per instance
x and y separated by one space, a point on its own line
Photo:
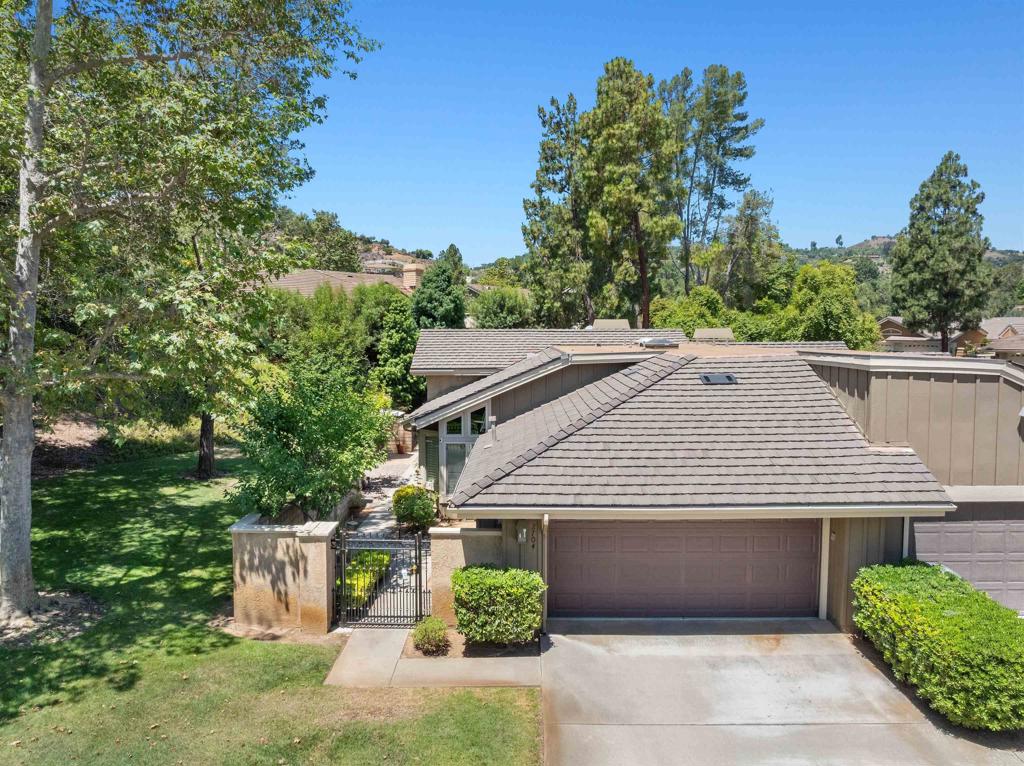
283 574
965 427
454 547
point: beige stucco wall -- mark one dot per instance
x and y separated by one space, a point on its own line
965 427
283 574
454 547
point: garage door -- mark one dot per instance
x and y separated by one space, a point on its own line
981 542
684 569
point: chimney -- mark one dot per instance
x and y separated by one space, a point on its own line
412 275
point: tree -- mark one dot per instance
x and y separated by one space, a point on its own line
703 307
504 272
711 131
560 270
502 308
825 302
386 318
839 241
310 438
1007 290
440 300
627 159
325 243
938 281
153 117
752 248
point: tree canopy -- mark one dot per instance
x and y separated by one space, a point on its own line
440 300
502 308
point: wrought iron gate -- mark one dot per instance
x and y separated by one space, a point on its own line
382 580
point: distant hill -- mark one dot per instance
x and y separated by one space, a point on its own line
879 247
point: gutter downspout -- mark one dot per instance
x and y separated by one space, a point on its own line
544 569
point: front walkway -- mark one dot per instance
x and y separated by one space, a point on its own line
381 483
373 658
736 692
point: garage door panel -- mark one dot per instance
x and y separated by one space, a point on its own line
698 569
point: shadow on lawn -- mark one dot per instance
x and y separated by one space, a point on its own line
153 547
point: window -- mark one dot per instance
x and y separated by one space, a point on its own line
454 462
477 422
454 427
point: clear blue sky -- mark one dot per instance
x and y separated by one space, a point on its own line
436 142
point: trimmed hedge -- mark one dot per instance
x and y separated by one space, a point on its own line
415 506
430 635
961 651
497 606
362 573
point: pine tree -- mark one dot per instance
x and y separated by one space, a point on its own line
939 282
440 300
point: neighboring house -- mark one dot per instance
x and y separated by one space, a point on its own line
306 281
719 479
713 334
1009 347
896 336
1002 327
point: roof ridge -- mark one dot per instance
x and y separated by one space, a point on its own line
676 362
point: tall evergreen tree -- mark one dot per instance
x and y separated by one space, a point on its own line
938 277
440 300
627 163
712 131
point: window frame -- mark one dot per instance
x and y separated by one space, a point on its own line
466 438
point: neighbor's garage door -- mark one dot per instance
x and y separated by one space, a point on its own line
981 542
684 569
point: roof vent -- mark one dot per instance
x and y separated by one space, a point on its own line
717 378
658 343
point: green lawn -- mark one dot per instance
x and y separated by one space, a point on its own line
152 683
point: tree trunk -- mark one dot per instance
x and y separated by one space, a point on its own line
944 335
205 468
642 267
17 588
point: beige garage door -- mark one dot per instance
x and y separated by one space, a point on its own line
684 569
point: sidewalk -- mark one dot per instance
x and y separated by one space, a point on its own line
382 482
372 658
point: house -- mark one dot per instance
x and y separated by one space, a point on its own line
897 337
1009 347
306 281
659 476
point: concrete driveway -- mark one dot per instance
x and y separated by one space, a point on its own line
736 692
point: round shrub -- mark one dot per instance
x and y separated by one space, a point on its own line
430 635
497 606
414 506
961 651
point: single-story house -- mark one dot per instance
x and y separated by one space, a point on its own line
652 475
897 337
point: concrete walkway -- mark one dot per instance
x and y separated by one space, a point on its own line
372 658
382 482
737 692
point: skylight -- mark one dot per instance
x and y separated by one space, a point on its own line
717 378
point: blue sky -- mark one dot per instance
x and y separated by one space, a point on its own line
436 142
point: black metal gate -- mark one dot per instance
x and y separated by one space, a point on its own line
382 580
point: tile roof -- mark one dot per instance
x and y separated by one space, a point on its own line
655 436
486 351
532 363
306 281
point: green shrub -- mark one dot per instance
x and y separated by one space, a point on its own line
499 606
961 651
415 506
430 635
362 573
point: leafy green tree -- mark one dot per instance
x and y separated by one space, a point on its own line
865 269
310 438
440 300
712 131
325 243
938 281
627 162
151 117
333 338
825 300
385 314
423 253
751 248
1007 290
560 270
504 272
501 308
703 307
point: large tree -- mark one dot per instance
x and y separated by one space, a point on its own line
627 161
712 130
560 269
152 118
938 278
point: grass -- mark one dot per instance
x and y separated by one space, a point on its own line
153 683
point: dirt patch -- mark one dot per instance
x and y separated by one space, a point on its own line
71 443
59 616
458 646
224 619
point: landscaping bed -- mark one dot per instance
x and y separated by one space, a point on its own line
962 652
458 646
